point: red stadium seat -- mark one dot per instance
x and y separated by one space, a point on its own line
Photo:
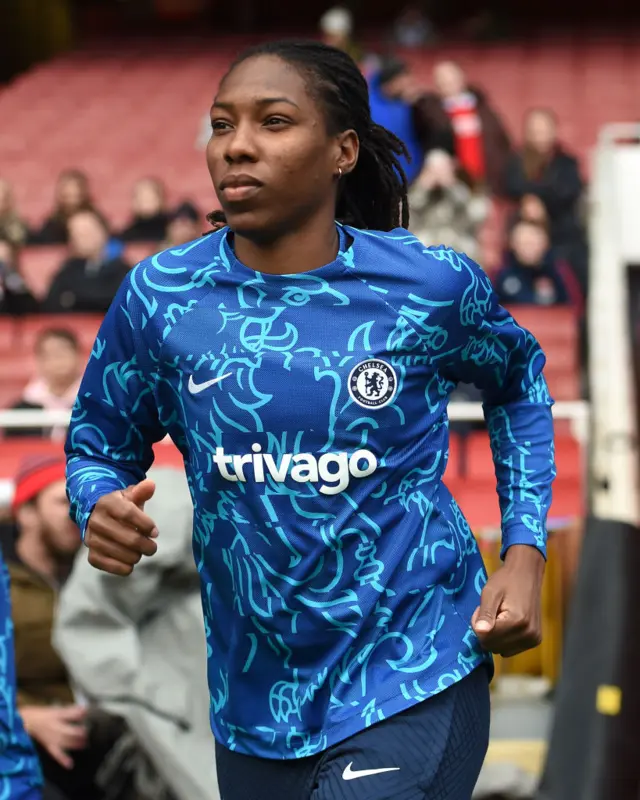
479 464
17 367
135 253
85 326
454 465
7 334
10 388
12 451
39 265
557 331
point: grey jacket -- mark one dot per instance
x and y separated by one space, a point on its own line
136 646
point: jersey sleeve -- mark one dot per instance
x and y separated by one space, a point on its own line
475 340
115 419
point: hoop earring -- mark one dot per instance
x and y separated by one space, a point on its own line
339 173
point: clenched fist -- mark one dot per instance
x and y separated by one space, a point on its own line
119 533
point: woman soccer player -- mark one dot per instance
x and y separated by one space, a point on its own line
303 368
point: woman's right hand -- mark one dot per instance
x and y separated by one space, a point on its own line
119 533
59 729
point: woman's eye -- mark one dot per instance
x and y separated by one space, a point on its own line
219 125
275 121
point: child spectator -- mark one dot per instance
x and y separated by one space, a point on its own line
89 279
72 194
443 208
545 169
184 225
55 386
150 217
458 118
12 227
531 274
15 296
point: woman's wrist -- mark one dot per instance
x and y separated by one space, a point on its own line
525 556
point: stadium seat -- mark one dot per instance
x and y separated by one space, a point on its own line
557 331
12 451
454 464
10 388
139 83
7 334
135 253
39 265
85 326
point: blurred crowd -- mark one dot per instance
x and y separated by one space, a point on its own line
95 261
109 681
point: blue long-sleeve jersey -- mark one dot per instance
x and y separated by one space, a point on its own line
20 775
338 574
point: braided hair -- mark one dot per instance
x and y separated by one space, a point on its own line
374 195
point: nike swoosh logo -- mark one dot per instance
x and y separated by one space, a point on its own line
352 774
196 388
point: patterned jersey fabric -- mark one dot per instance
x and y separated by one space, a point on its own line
20 776
338 574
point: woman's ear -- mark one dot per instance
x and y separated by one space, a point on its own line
348 150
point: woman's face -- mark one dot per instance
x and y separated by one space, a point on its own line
148 198
59 362
449 79
87 235
272 162
529 243
540 131
71 193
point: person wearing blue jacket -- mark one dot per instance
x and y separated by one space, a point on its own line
301 357
391 108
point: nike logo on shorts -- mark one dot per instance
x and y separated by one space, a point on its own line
353 774
196 388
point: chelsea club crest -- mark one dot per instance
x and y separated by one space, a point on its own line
373 383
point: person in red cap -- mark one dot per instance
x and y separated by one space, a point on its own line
44 547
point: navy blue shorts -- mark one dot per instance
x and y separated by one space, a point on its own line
432 751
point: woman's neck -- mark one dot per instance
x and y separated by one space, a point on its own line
307 248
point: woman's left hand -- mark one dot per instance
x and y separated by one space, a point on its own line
508 620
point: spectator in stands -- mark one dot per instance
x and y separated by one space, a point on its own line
545 169
15 296
150 216
412 28
72 194
55 387
185 224
336 29
459 118
392 94
69 736
137 641
532 209
444 210
532 274
12 227
90 277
